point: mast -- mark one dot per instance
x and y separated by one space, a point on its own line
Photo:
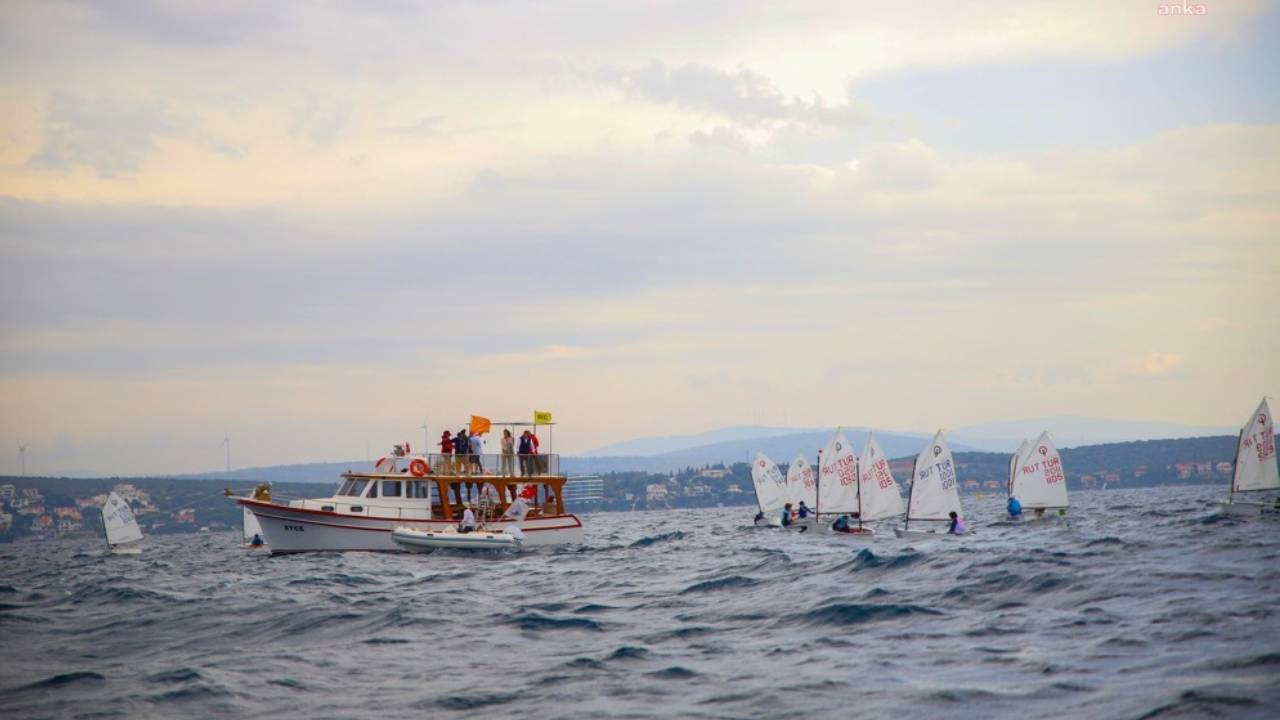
817 489
906 522
857 477
1235 465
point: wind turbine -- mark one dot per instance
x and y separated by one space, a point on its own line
22 455
226 440
426 438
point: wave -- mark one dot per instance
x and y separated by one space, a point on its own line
535 622
652 539
866 559
732 582
629 652
1198 703
673 673
63 680
474 701
844 614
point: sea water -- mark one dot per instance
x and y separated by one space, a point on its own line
1144 604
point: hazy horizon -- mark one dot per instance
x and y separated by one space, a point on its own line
314 227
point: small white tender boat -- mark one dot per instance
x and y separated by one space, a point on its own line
427 540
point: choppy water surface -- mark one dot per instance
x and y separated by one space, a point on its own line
1146 605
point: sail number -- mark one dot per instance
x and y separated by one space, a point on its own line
293 528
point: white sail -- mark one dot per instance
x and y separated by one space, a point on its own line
881 497
1014 463
935 492
838 477
771 486
1256 454
251 526
802 484
1039 481
117 518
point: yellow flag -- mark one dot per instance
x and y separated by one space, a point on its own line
541 417
479 425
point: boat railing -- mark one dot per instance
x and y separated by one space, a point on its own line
463 465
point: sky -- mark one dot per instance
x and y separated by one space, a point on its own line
314 227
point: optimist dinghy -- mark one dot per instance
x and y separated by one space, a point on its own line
420 541
934 492
1256 467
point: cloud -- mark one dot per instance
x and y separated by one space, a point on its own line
111 135
742 95
1161 363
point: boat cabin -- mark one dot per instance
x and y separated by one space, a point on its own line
426 487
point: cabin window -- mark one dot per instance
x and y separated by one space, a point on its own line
342 489
356 489
419 490
373 490
390 488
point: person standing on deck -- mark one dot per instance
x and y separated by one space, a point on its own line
526 453
446 452
537 462
477 453
508 453
462 444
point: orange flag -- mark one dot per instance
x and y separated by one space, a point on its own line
479 425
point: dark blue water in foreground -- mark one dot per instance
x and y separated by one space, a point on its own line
1145 606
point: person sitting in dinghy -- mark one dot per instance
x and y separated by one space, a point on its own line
786 515
842 524
803 511
957 525
1015 508
468 521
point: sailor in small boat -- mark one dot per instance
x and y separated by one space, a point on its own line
468 521
1015 508
842 523
786 515
256 541
803 511
957 525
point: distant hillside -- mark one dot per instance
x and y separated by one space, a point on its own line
1072 431
647 446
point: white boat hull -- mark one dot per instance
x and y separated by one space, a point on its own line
864 533
126 549
923 534
292 530
1248 508
426 541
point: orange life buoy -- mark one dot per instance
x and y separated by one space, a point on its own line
418 467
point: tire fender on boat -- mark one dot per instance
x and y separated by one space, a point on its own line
418 467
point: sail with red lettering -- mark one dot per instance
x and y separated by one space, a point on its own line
935 490
1256 453
802 482
771 486
838 477
879 492
1039 481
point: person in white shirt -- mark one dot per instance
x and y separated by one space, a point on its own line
468 521
477 449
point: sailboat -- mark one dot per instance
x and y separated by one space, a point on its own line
878 495
1038 480
1255 465
771 490
935 491
802 486
124 537
837 478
